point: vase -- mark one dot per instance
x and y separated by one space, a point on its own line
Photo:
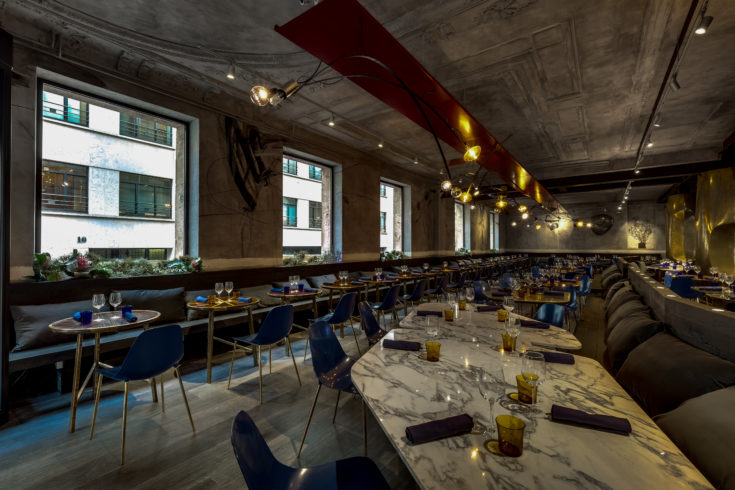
641 244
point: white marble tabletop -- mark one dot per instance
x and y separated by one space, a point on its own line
402 390
485 327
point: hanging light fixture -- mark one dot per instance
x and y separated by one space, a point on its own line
465 197
331 122
259 95
446 185
522 208
513 223
703 25
472 153
501 203
472 207
477 192
231 72
538 226
524 215
580 224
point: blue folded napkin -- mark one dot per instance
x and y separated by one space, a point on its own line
364 278
358 283
327 284
401 345
200 299
439 429
243 300
130 317
77 316
593 421
488 307
276 290
310 290
533 324
428 313
557 357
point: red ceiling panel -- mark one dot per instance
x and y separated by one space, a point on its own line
345 36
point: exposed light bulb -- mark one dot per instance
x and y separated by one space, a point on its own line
465 197
538 226
501 203
472 153
522 208
524 216
380 144
513 223
472 207
331 121
588 225
580 224
637 170
649 144
415 161
259 95
446 186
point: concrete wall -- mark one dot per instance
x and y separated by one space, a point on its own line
570 238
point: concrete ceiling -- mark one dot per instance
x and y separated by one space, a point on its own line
570 83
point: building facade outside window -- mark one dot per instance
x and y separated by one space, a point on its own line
383 190
108 186
458 226
383 228
307 190
391 217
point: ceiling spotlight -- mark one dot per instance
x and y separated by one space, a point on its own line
703 25
649 144
522 208
456 192
625 198
580 224
477 192
472 153
415 161
538 226
588 225
472 207
513 223
657 121
675 83
231 72
501 203
447 186
331 121
528 225
259 95
380 144
620 208
637 170
524 216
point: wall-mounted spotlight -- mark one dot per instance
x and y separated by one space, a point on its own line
331 121
231 72
703 25
380 144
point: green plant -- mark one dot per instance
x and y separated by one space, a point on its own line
463 252
392 255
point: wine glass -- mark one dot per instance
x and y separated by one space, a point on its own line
229 287
98 301
218 288
489 389
533 371
469 292
425 265
115 300
509 305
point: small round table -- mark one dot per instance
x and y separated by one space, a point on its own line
107 321
221 306
342 287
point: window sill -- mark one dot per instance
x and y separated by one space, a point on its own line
71 214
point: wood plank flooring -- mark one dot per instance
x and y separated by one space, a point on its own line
37 451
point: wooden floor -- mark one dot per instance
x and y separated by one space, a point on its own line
37 451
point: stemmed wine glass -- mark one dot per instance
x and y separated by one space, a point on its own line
469 293
218 288
534 370
98 301
115 300
509 305
488 387
228 288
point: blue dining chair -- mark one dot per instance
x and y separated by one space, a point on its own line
369 324
551 313
506 280
457 286
439 290
480 287
535 271
341 315
332 368
275 327
388 303
572 307
154 352
262 471
415 297
682 285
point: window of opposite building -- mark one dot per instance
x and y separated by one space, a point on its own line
290 166
113 180
383 227
315 214
315 173
391 216
289 211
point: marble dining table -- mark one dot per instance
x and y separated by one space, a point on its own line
402 389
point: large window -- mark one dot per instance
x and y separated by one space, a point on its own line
391 216
141 195
315 173
289 211
315 214
64 187
62 108
290 166
458 226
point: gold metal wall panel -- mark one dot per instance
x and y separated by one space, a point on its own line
715 222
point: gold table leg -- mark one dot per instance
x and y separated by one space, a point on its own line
75 383
210 346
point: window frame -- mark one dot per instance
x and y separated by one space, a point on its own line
64 175
313 205
137 203
287 215
287 166
383 223
313 175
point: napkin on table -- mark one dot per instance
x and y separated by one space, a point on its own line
590 420
243 300
310 290
428 313
200 299
439 429
488 307
556 357
77 316
276 290
401 344
533 324
130 317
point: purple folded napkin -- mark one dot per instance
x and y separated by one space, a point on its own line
358 283
534 324
130 317
488 307
243 300
428 313
401 344
554 293
276 290
200 299
557 357
439 429
593 421
710 288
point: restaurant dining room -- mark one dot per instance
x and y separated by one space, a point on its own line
506 233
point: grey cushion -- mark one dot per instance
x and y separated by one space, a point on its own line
171 303
614 289
663 372
31 323
261 292
624 295
317 281
610 280
625 310
704 429
628 334
613 269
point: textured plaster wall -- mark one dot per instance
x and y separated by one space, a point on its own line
569 238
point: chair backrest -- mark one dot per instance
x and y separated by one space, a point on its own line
682 285
153 352
344 308
418 291
479 294
326 351
367 319
389 301
572 296
276 325
505 280
258 465
551 313
586 287
535 272
442 286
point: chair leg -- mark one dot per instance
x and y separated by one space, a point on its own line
97 390
293 358
364 427
232 363
306 348
308 421
163 401
260 377
124 423
352 327
183 395
334 417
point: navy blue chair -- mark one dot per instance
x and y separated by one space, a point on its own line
415 297
506 280
262 470
389 302
457 286
682 285
332 368
439 290
154 352
572 307
535 271
341 315
275 327
584 290
550 313
480 287
369 324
